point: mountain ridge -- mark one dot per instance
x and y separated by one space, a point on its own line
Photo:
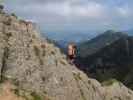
101 41
112 60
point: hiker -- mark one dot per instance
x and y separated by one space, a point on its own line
71 52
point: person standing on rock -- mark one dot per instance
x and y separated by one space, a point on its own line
71 52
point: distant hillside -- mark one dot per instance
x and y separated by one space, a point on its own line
94 45
130 32
109 55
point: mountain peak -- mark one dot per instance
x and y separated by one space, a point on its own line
100 42
114 33
110 31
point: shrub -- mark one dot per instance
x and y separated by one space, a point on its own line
109 82
13 14
36 96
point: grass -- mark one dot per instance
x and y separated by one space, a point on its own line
27 95
109 82
36 96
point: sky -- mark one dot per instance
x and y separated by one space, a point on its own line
75 16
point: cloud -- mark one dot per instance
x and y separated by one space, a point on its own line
124 11
64 15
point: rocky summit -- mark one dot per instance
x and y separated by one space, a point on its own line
37 66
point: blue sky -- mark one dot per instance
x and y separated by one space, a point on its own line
75 16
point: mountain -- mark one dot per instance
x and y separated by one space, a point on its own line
130 32
99 42
62 45
109 55
68 36
40 71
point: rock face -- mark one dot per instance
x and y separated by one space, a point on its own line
34 64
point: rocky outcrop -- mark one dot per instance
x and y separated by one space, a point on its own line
34 64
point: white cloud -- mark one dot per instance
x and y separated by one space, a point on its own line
67 9
91 9
124 11
76 14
